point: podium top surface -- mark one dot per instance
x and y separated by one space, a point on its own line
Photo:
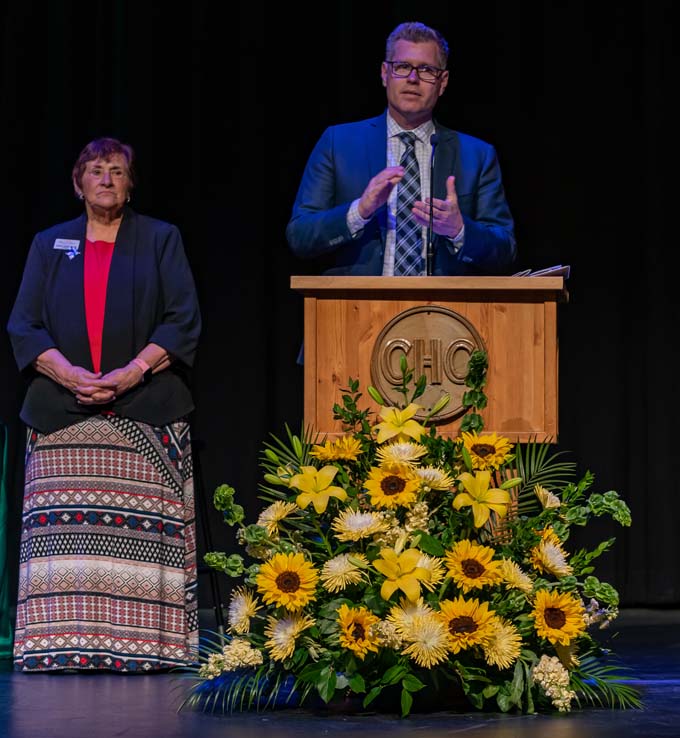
519 285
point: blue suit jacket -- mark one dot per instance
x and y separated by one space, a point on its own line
337 172
150 297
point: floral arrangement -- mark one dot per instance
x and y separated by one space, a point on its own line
392 560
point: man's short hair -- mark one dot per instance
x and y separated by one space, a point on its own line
417 33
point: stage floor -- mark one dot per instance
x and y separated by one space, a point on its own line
105 705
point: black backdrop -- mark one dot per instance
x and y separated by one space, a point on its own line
223 103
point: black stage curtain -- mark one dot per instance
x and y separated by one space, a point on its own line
223 102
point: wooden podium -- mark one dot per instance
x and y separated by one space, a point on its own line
359 327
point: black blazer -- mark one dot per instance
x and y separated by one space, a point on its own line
151 297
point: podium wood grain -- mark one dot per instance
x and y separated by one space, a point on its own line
515 316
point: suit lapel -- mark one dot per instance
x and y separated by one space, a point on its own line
119 296
71 294
376 157
444 160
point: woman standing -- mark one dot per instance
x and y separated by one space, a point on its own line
105 327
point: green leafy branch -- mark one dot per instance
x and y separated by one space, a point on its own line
475 399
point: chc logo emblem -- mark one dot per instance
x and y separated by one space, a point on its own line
438 343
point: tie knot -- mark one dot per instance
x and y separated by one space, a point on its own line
408 138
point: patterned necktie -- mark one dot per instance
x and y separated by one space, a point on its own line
409 241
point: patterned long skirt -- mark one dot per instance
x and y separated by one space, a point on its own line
107 576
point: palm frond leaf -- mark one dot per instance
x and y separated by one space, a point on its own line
604 684
293 449
538 463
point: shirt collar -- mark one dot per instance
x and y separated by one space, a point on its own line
422 132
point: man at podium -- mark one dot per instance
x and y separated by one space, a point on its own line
400 194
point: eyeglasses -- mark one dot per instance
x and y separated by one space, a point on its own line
425 72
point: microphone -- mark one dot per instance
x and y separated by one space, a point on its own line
429 261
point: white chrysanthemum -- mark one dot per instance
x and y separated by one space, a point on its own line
283 634
503 644
242 607
404 614
433 478
400 453
435 571
271 516
549 557
428 639
547 498
351 525
514 577
343 570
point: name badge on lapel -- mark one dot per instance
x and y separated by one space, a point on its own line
69 245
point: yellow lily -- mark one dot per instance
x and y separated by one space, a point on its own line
402 572
315 486
399 423
482 499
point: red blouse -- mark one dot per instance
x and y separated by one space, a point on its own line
96 277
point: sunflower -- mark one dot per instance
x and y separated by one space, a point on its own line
469 622
283 633
346 448
488 451
433 478
392 485
315 486
242 607
514 577
550 558
400 424
343 570
287 580
356 630
428 640
471 566
401 571
400 453
271 516
351 525
482 499
503 644
559 617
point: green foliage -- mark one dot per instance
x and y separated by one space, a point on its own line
231 565
223 499
421 501
600 683
475 398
